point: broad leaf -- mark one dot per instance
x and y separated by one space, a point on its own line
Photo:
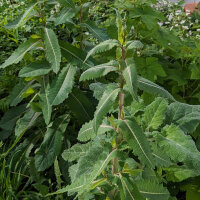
104 105
98 33
76 151
35 69
62 85
10 117
67 3
87 132
65 15
52 144
45 105
135 44
19 53
26 122
130 76
137 141
53 53
152 88
98 71
154 114
102 47
152 190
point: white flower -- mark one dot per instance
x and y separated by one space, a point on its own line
198 30
182 22
22 3
185 27
171 28
169 43
196 20
187 35
170 17
86 33
176 25
160 23
167 22
52 12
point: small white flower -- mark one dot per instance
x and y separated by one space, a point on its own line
160 23
185 27
52 12
187 35
198 30
182 22
169 43
167 22
196 20
86 33
176 25
22 3
171 28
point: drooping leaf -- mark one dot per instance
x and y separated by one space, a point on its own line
84 182
104 105
26 122
130 76
98 89
152 190
45 105
80 105
35 69
87 132
98 71
10 117
65 15
179 147
76 151
75 55
17 92
152 88
98 33
187 117
21 20
154 114
52 144
102 47
135 44
19 53
53 53
137 141
62 85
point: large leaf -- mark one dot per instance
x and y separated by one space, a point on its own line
85 181
137 141
19 53
26 122
80 105
152 190
104 105
130 76
67 3
17 92
76 151
62 85
35 69
98 33
87 132
21 19
52 144
53 53
187 117
152 88
98 71
45 105
154 114
65 15
102 47
75 55
179 147
10 117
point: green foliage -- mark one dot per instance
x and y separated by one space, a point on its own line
64 58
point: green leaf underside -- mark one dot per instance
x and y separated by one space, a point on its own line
62 85
19 53
179 147
102 47
137 141
100 34
152 190
98 71
35 69
87 132
53 53
21 19
65 15
44 101
104 105
52 143
154 114
152 88
130 76
85 181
